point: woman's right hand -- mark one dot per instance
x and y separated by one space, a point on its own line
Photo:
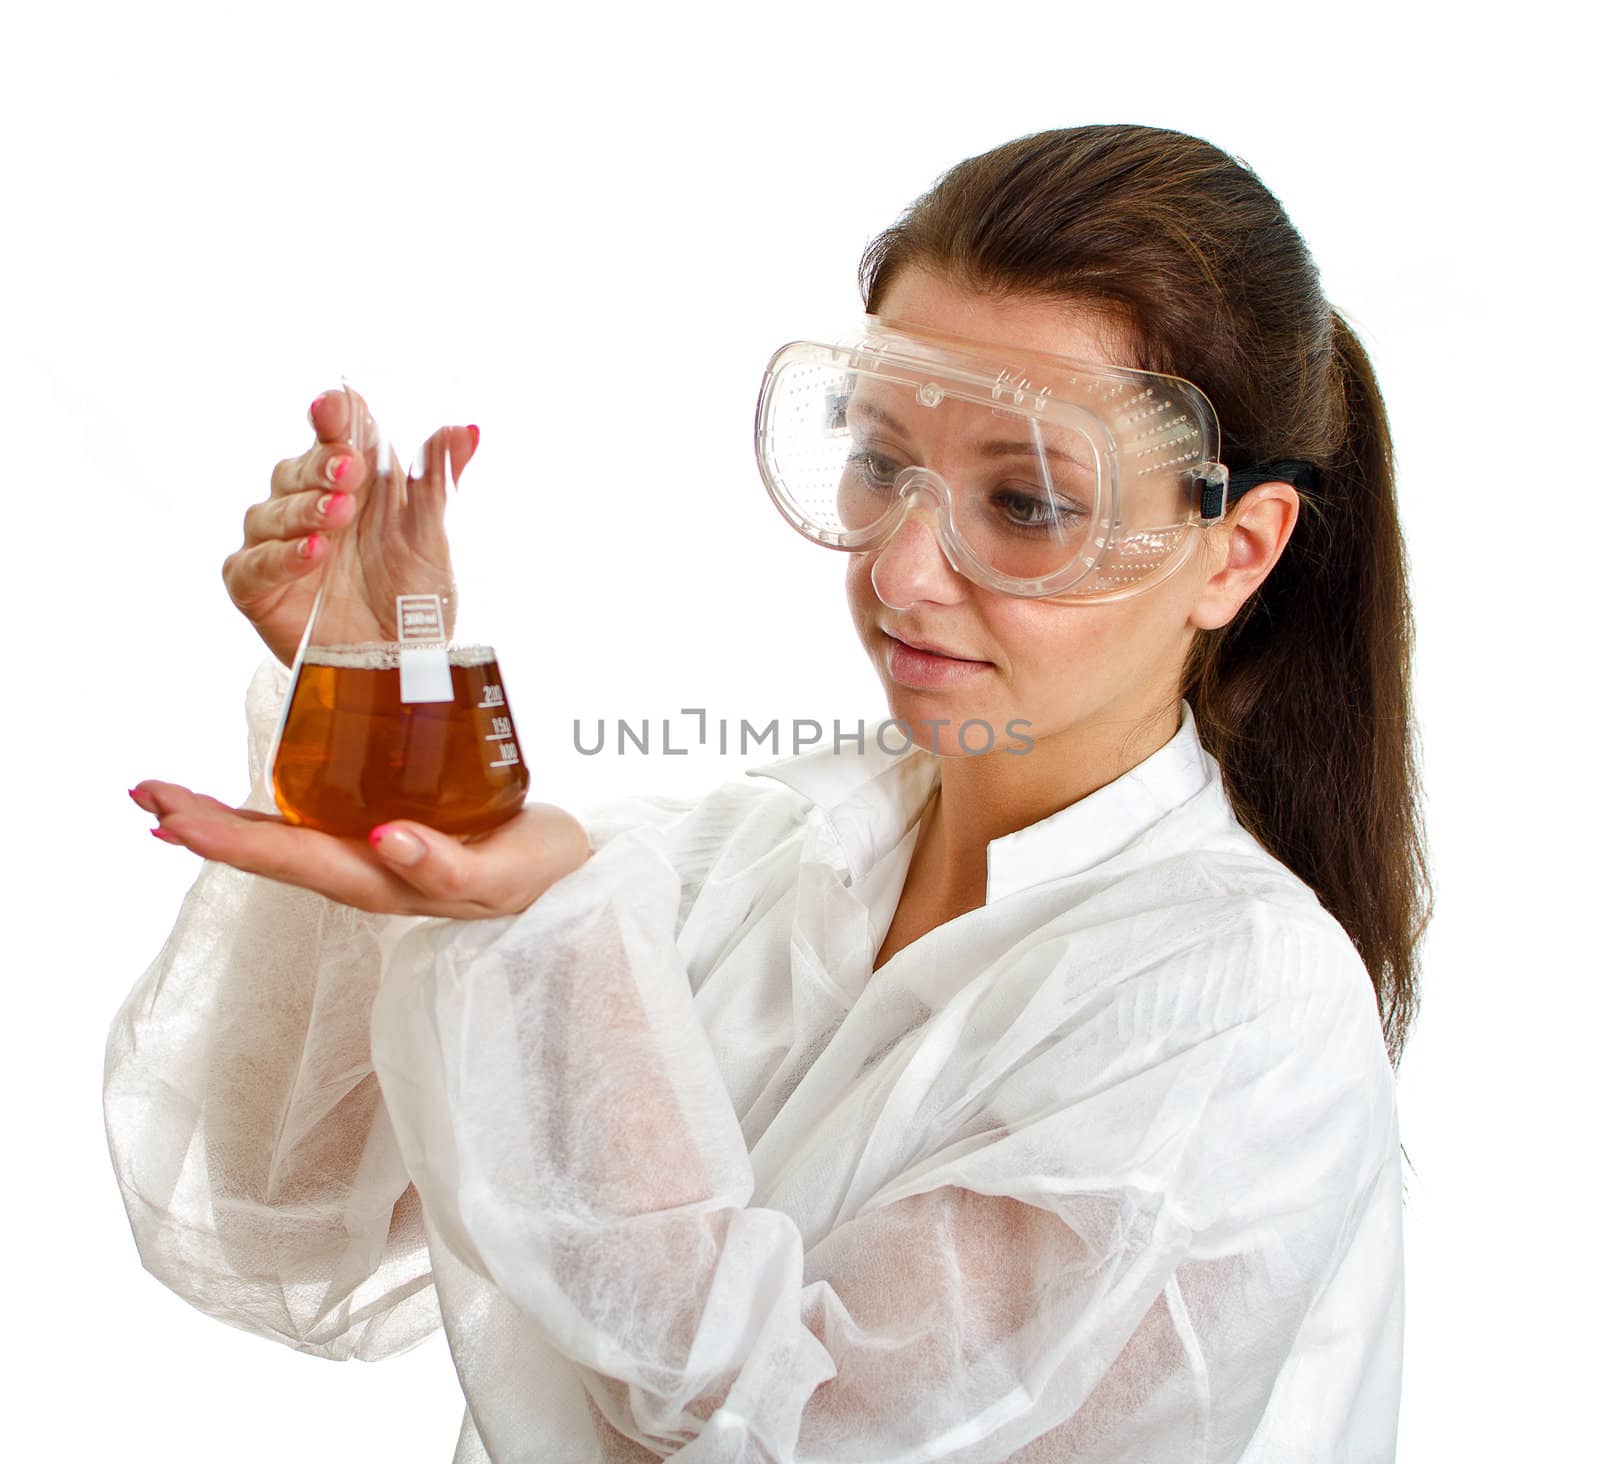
314 498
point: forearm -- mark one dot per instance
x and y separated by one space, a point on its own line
571 1136
564 1118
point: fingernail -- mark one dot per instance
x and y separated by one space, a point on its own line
143 800
164 836
330 500
311 411
337 468
307 546
474 431
396 845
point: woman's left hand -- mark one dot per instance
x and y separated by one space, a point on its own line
402 868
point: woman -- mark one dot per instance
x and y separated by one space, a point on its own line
936 1103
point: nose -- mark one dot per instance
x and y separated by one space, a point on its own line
912 566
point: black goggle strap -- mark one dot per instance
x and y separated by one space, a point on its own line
1301 474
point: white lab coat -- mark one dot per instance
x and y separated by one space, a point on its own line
1107 1169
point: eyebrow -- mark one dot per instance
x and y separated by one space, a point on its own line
994 448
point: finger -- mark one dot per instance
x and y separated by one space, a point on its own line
345 435
361 432
158 798
341 869
450 449
294 515
442 457
329 415
251 575
341 415
335 466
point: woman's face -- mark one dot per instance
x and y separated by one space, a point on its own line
1060 668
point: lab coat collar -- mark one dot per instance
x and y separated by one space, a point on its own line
868 796
872 797
1105 822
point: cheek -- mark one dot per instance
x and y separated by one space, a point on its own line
1068 659
1046 641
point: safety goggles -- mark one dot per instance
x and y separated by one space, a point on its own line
1039 475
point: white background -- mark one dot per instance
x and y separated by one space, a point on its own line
603 225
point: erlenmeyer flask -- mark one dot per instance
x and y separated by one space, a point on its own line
394 711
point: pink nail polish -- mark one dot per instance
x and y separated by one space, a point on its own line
338 468
308 545
164 836
474 431
311 411
397 845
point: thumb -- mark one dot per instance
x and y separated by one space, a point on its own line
441 459
461 443
429 861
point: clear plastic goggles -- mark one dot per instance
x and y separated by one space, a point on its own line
1042 476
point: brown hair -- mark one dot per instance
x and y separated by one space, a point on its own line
1305 696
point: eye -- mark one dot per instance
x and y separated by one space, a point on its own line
1031 508
874 468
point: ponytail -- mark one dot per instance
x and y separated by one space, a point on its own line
1304 699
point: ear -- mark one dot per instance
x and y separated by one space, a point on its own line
1244 545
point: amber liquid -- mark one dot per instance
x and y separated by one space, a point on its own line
352 754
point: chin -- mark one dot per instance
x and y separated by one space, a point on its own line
985 730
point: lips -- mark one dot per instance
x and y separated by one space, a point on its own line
931 647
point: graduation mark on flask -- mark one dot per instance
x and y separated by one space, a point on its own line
501 734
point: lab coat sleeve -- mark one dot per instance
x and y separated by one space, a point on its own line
247 1131
1076 1276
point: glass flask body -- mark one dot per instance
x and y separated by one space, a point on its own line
392 711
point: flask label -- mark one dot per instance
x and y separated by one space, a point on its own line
424 661
420 617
